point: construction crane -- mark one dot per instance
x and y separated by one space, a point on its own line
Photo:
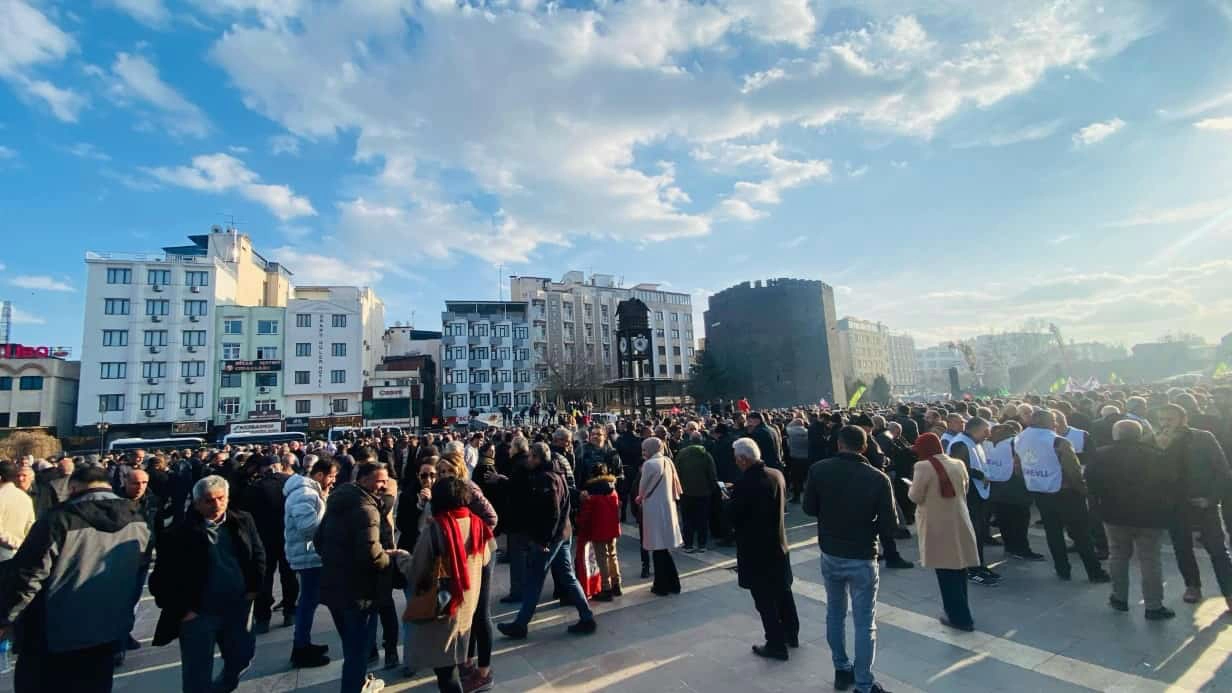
6 321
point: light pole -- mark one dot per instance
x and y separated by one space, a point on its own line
102 427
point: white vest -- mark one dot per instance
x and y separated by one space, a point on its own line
946 439
975 460
1077 437
1001 461
1041 468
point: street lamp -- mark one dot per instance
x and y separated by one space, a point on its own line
102 427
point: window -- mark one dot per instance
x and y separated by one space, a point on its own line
230 351
675 317
337 349
676 369
157 306
588 310
688 334
115 338
479 376
197 278
303 320
662 369
568 308
503 376
195 309
153 369
230 326
662 350
153 400
27 418
658 316
109 370
522 399
606 332
303 406
603 312
523 376
231 380
4 420
32 382
193 338
455 401
303 348
502 353
267 327
568 331
483 399
590 332
267 352
115 306
267 380
689 352
6 383
455 377
265 405
675 351
110 403
337 376
675 334
229 406
339 406
192 369
479 353
155 338
456 353
500 331
454 329
479 329
302 377
338 320
607 353
192 400
158 278
119 275
659 334
504 399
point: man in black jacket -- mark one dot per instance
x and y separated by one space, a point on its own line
210 568
911 429
263 499
629 446
767 439
70 586
1136 493
763 564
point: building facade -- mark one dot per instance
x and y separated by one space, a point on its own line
38 392
333 344
149 348
901 348
866 350
488 359
776 342
934 364
402 392
249 376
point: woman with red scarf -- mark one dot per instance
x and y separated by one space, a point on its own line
947 539
463 542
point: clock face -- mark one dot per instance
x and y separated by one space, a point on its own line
640 344
624 345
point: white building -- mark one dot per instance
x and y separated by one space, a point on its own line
37 392
934 364
488 361
901 348
866 352
148 356
333 343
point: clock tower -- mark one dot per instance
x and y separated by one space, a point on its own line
635 355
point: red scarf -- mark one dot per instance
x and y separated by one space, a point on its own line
457 548
947 486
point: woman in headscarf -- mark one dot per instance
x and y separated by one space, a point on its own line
463 542
947 539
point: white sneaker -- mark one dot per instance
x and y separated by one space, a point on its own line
373 685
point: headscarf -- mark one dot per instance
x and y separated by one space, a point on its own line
927 447
457 548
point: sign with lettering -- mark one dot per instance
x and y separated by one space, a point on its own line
391 392
189 428
251 366
264 415
21 351
257 427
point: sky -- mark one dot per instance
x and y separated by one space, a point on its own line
950 167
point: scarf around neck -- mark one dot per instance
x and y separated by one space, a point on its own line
457 548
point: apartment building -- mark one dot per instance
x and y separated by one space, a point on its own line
250 377
900 349
487 357
149 356
37 389
866 352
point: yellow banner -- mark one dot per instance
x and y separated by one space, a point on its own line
855 398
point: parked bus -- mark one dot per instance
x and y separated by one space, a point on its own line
152 444
264 438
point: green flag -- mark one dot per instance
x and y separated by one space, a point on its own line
1221 370
1057 386
855 397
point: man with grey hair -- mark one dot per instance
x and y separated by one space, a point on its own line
763 564
1136 493
210 568
1136 409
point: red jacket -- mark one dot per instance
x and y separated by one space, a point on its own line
743 406
599 517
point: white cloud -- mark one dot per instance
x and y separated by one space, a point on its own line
1198 211
21 317
218 173
1028 133
237 149
1063 238
794 242
1224 123
85 150
284 144
39 283
29 40
1097 132
7 153
311 268
130 181
134 81
151 13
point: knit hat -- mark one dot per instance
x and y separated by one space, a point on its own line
926 445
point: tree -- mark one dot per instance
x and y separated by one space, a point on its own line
707 381
570 377
36 443
880 391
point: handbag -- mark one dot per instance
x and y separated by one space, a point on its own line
430 599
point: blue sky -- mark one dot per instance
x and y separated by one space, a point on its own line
950 166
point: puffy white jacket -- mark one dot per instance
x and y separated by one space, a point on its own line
304 509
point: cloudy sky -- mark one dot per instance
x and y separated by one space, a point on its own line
950 166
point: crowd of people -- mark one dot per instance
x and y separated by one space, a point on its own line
434 515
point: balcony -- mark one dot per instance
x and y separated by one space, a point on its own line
477 340
476 363
453 388
497 363
478 387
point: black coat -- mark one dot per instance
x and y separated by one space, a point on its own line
1132 485
517 495
178 580
262 498
771 447
761 539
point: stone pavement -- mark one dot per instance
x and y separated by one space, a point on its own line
1034 633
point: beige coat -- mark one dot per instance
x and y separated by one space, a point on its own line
947 539
442 643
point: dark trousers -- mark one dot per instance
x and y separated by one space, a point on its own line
357 630
228 630
516 544
889 549
1099 539
719 525
666 579
391 625
1066 511
905 506
447 680
977 508
481 623
87 670
696 519
777 608
641 541
1015 521
953 584
1209 525
799 469
275 555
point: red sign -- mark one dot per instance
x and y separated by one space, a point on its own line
21 351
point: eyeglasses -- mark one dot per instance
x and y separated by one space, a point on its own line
427 475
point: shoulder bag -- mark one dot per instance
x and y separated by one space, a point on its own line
430 599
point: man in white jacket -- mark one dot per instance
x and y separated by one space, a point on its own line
16 512
305 506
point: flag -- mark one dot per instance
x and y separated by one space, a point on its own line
1057 386
1003 392
1221 370
1114 379
855 398
824 404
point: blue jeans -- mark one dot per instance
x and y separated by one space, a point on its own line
559 557
357 630
228 630
859 577
517 563
306 608
406 630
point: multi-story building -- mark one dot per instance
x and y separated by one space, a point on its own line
148 360
250 378
402 391
487 357
903 369
573 325
934 364
37 389
866 352
333 344
776 343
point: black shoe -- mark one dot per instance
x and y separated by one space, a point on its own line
1101 554
659 593
1064 576
260 627
391 657
306 658
844 679
1119 604
1028 556
510 599
374 655
877 689
583 627
898 563
645 571
992 541
132 644
317 648
616 591
1163 613
981 579
604 596
770 652
966 628
1098 578
288 619
793 641
902 533
223 686
513 631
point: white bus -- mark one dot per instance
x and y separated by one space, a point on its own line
152 444
264 438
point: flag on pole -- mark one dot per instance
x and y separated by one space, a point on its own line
855 398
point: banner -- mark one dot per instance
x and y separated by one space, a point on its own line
855 397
